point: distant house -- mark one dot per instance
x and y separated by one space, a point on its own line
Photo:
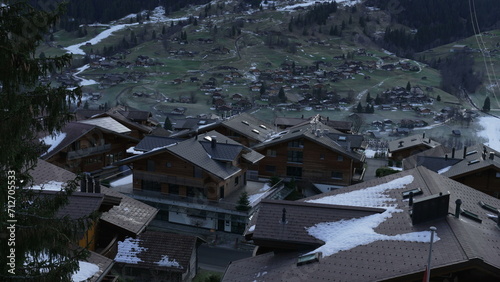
370 232
414 144
158 256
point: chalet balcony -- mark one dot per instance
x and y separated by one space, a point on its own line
88 152
162 178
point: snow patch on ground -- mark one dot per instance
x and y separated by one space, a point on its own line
307 3
122 181
347 234
491 131
86 271
128 251
83 81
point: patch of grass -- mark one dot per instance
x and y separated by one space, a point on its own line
207 276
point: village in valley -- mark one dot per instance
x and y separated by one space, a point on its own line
218 143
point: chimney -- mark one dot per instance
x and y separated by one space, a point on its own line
492 155
446 157
453 153
401 143
458 203
498 218
465 152
214 141
283 216
410 200
423 135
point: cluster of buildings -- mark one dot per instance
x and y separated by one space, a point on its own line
195 173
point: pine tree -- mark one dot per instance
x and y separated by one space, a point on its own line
408 86
39 232
243 202
438 98
168 124
359 108
281 95
487 105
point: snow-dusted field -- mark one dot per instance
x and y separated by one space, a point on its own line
491 131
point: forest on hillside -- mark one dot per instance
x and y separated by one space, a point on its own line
436 22
90 11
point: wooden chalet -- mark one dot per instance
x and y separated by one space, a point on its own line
411 145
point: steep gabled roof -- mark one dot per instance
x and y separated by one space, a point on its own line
411 141
157 251
387 245
249 126
311 132
107 123
69 134
149 143
197 151
438 151
476 158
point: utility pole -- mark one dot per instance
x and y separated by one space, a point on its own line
428 270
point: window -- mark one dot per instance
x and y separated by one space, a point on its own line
150 166
173 189
294 171
271 153
296 144
237 180
168 164
271 168
340 158
197 172
295 156
151 186
322 156
337 175
195 192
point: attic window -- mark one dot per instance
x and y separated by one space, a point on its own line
255 131
413 140
276 138
416 191
306 259
471 215
208 138
470 153
488 207
283 133
245 122
472 162
342 138
296 130
262 126
202 122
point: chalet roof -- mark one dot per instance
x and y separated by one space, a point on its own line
107 123
249 126
160 132
105 264
135 115
196 151
158 251
271 229
336 124
437 164
191 123
411 141
131 215
438 151
69 133
222 152
80 204
310 132
474 161
82 114
149 143
347 141
387 245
